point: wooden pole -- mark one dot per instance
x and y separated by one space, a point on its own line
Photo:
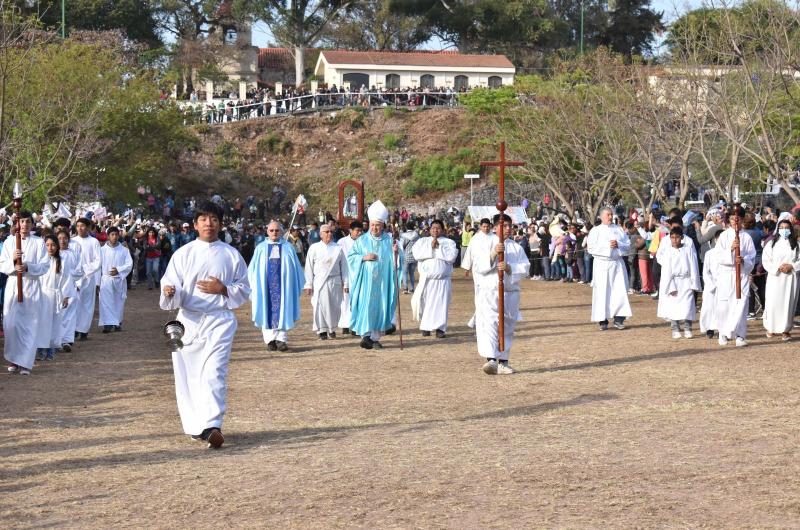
737 254
17 208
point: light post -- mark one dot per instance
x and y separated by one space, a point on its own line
471 177
63 19
582 27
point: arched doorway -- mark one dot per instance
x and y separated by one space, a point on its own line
495 81
356 80
461 82
427 81
392 81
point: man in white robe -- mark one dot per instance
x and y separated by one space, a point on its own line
732 312
20 321
515 265
326 282
609 244
90 263
356 229
435 256
205 280
480 239
116 265
680 279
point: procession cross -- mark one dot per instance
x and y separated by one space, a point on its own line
501 207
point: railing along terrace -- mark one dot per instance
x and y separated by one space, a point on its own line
210 112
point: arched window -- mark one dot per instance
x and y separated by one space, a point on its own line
392 81
461 82
495 81
356 81
427 81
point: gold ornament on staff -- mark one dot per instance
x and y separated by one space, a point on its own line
501 206
18 234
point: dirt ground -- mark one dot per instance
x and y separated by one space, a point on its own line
599 429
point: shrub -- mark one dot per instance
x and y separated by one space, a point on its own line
353 118
391 141
226 156
274 144
202 128
388 112
437 173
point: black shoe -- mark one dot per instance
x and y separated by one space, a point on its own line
83 336
66 347
440 334
107 329
117 328
603 326
390 331
345 331
272 346
281 345
377 345
710 333
323 336
366 343
426 333
332 334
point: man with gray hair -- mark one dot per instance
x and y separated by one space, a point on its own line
276 279
326 282
608 244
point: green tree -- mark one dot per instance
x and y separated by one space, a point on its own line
372 25
133 17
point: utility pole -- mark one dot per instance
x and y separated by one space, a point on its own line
63 20
582 1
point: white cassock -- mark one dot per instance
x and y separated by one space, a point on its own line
346 243
201 366
113 289
780 299
326 273
479 240
679 273
609 276
433 293
71 258
90 263
21 320
56 286
708 313
486 314
732 313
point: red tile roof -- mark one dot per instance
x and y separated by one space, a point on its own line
417 58
275 58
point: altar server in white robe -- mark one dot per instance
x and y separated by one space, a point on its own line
430 303
326 282
90 263
58 289
21 320
356 229
609 244
680 278
116 265
487 320
481 238
708 312
71 258
732 313
781 261
205 280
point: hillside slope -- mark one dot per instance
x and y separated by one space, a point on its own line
312 154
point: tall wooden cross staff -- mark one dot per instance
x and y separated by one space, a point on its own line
501 235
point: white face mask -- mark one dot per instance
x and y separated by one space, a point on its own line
785 232
541 231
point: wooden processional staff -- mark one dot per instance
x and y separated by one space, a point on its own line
501 206
18 234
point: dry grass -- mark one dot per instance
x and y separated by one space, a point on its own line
613 429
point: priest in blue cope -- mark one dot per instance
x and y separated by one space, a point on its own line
373 292
277 279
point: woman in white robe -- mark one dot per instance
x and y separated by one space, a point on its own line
781 261
71 259
708 312
679 280
57 289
